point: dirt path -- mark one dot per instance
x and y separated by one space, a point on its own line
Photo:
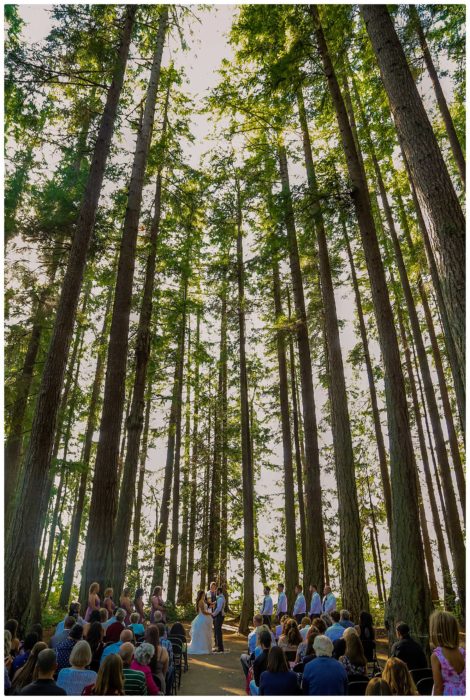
217 674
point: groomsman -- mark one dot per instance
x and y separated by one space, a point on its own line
315 602
329 600
281 602
267 607
300 605
211 596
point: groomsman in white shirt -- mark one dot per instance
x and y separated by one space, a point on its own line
281 602
315 602
267 607
300 605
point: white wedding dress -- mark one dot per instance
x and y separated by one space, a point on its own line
201 634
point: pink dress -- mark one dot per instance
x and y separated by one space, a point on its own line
454 683
89 610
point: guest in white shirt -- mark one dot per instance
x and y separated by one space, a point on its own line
329 601
267 607
300 606
315 602
304 627
281 602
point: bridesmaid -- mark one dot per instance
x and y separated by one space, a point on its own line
108 602
157 604
93 600
125 604
138 603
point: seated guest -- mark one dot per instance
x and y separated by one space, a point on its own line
95 616
126 636
407 650
448 657
280 627
327 619
160 662
377 686
302 648
44 684
163 641
74 611
136 626
178 630
324 675
310 652
245 659
290 640
113 632
398 677
29 641
366 632
321 625
260 664
26 674
345 619
110 678
339 645
278 679
260 629
8 661
74 679
336 630
353 658
95 640
142 657
37 627
57 638
12 627
103 617
304 627
134 681
64 649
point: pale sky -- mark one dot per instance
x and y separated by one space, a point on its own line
208 47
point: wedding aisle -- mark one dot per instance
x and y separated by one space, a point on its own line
216 674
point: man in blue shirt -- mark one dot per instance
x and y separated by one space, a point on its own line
245 659
281 602
336 630
329 601
345 619
315 602
267 607
126 636
324 675
300 606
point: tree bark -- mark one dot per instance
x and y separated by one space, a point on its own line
440 97
436 194
378 582
183 569
135 419
22 545
355 595
409 598
247 456
313 563
136 526
291 566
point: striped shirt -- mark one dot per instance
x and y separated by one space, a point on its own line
134 682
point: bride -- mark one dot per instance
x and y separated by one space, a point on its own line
201 628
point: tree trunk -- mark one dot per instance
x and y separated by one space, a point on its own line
183 569
224 468
175 502
291 567
175 417
194 466
380 594
75 525
205 494
247 456
136 526
459 381
22 545
313 562
409 598
355 595
135 419
440 97
99 549
436 194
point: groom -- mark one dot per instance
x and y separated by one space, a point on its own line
218 616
